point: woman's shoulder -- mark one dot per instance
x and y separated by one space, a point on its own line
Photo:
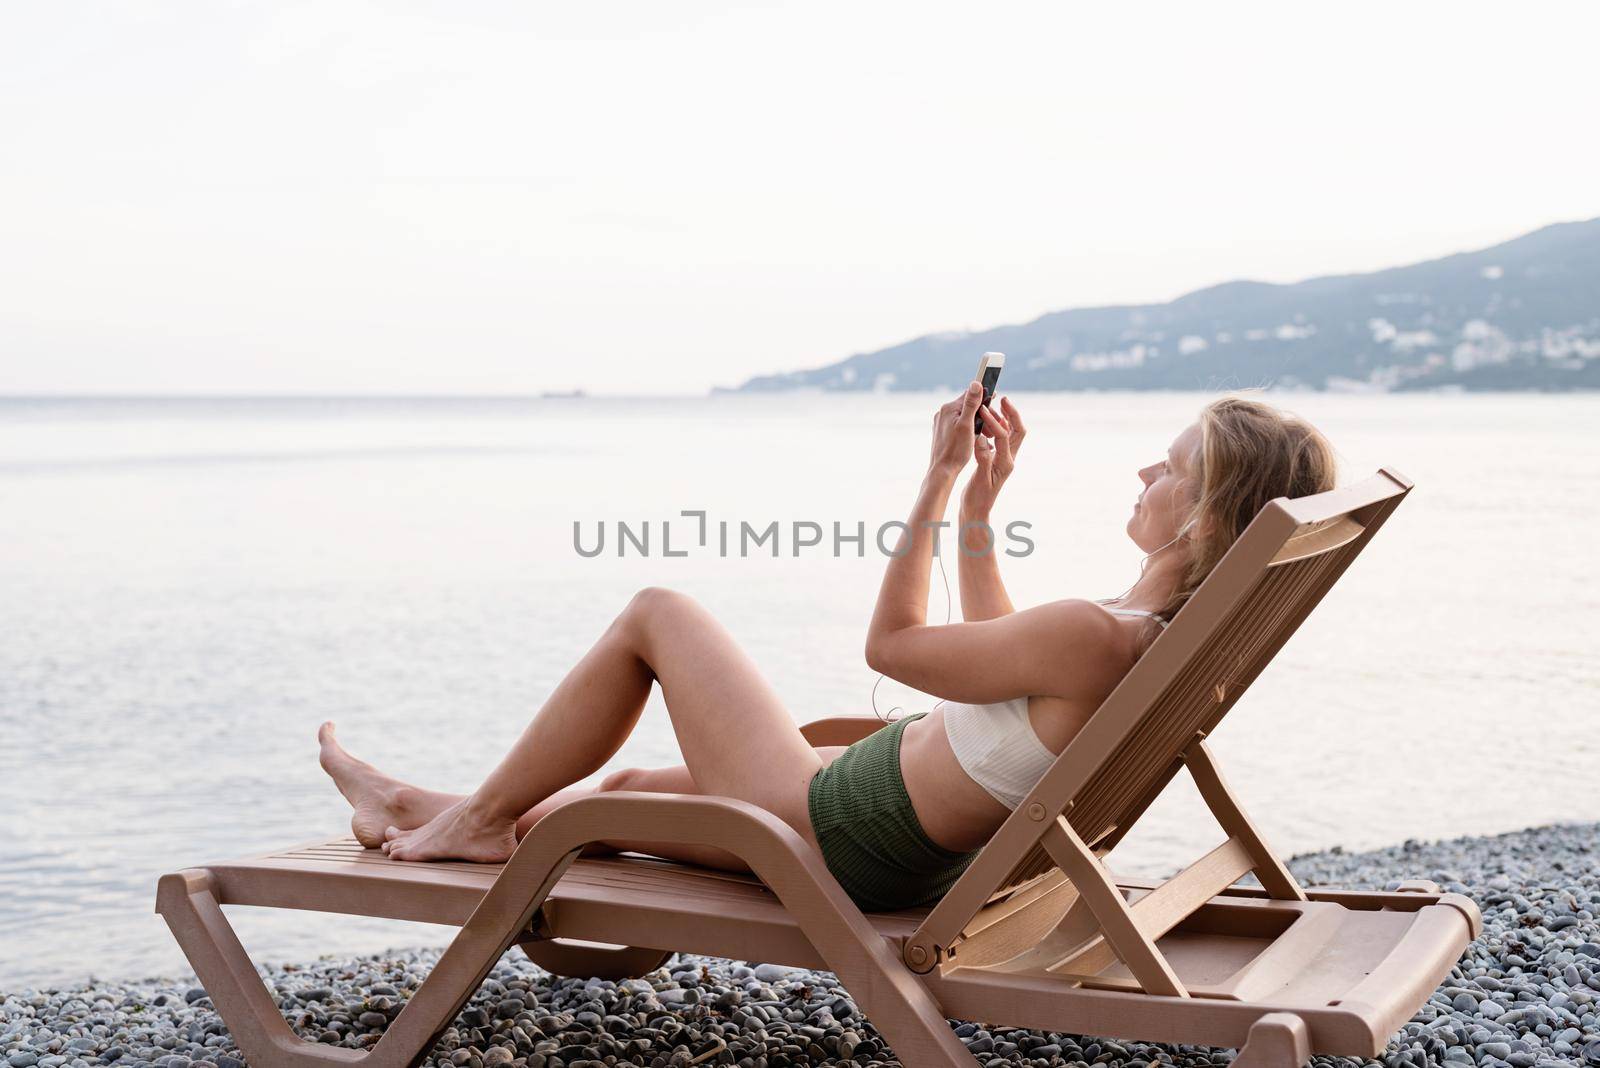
1089 617
1097 648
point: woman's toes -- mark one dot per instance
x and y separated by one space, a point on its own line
330 754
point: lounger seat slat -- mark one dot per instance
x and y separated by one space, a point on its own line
320 877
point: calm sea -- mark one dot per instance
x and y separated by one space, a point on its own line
187 588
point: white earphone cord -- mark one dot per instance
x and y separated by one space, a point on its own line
884 716
1148 555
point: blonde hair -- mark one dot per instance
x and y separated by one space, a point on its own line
1250 453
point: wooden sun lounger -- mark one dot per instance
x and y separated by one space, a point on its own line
1036 932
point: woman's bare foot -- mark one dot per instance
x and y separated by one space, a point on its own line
380 801
457 833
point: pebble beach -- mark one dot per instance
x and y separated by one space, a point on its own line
1525 994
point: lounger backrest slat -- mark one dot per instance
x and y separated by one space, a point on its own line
1301 583
1178 692
1201 694
1188 708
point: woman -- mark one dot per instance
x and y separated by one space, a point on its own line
898 815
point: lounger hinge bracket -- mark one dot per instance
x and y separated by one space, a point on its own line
922 957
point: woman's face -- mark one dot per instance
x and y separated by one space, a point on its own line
1170 485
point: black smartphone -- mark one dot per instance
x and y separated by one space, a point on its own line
989 369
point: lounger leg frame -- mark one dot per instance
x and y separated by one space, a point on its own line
191 903
1277 1040
188 901
902 1009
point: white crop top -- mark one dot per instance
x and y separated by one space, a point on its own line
996 744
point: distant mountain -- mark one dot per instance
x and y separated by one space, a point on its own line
1521 315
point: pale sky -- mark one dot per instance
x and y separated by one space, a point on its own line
474 197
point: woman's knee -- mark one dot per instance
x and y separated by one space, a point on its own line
675 780
655 606
622 779
659 600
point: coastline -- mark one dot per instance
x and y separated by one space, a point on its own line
1525 994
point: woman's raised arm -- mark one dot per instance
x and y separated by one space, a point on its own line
1054 649
983 594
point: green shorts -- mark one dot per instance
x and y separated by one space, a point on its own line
870 836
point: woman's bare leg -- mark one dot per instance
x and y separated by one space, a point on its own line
676 780
382 801
736 736
379 800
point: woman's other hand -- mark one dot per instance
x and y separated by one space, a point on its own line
952 432
996 453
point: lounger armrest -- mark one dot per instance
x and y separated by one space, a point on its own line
775 851
840 730
785 861
688 819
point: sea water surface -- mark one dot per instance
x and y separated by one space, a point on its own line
188 587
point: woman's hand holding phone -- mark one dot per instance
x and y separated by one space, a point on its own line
996 453
951 448
955 442
953 435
